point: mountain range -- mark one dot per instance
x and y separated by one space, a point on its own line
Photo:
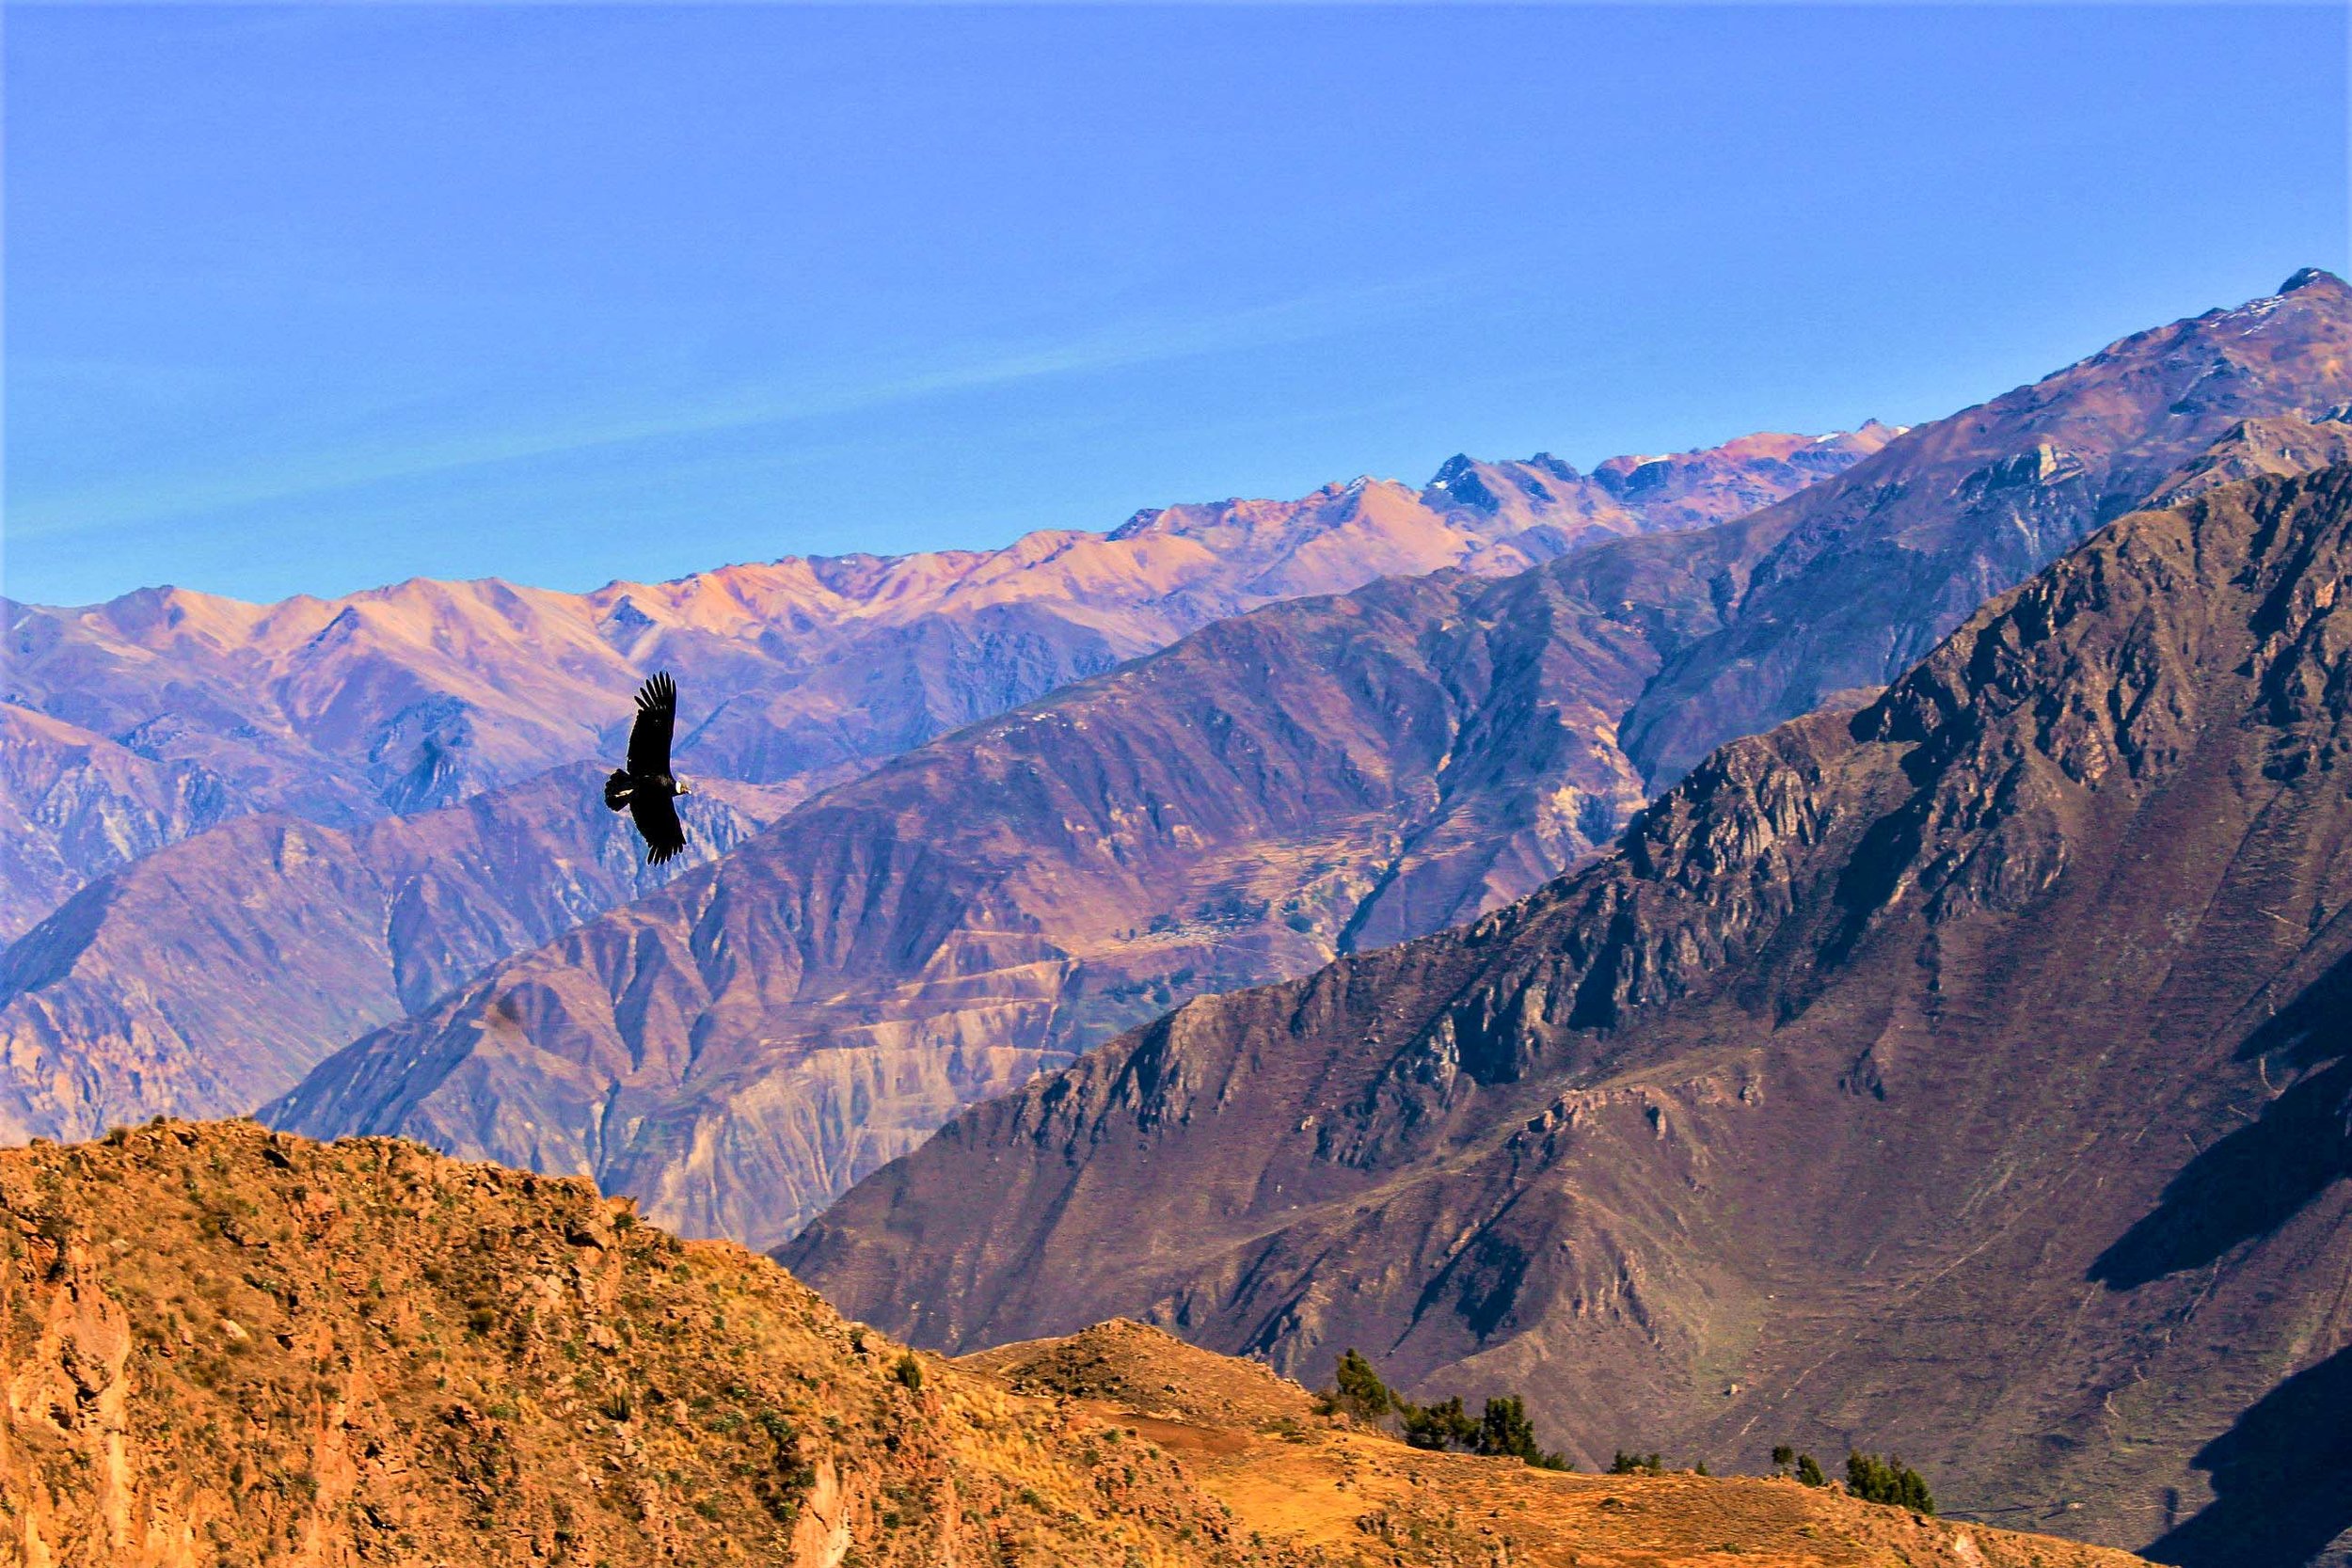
1835 941
137 721
1316 777
153 991
1969 1069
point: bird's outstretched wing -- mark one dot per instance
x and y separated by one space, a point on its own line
649 736
657 820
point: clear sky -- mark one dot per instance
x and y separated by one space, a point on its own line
309 299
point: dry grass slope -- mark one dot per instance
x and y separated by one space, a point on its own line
225 1346
1290 1475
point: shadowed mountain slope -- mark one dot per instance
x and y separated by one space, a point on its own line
410 697
1968 1075
1314 778
221 1346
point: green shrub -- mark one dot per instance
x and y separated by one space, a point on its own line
1504 1432
1358 1393
909 1371
1787 1461
1887 1481
1441 1426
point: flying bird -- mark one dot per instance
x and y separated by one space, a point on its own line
645 787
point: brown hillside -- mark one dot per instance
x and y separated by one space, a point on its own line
1968 1076
219 1345
1257 1443
223 1345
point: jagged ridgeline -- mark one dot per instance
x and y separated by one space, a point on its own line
1965 1074
222 1346
133 724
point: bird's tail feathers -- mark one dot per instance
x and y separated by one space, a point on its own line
617 789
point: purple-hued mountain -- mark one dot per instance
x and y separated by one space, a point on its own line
1314 778
1969 1074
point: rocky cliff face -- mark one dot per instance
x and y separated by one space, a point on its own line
407 698
217 1345
210 974
1314 778
1968 1075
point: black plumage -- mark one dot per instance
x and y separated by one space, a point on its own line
646 787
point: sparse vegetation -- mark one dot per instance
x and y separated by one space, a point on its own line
1787 1460
1502 1430
634 1390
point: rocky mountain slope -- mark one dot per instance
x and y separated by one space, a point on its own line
2258 447
405 698
737 1049
1850 587
210 974
73 803
217 1345
1314 778
1969 1074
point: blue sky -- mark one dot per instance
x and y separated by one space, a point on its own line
307 299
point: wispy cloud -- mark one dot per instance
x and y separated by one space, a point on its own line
1118 346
